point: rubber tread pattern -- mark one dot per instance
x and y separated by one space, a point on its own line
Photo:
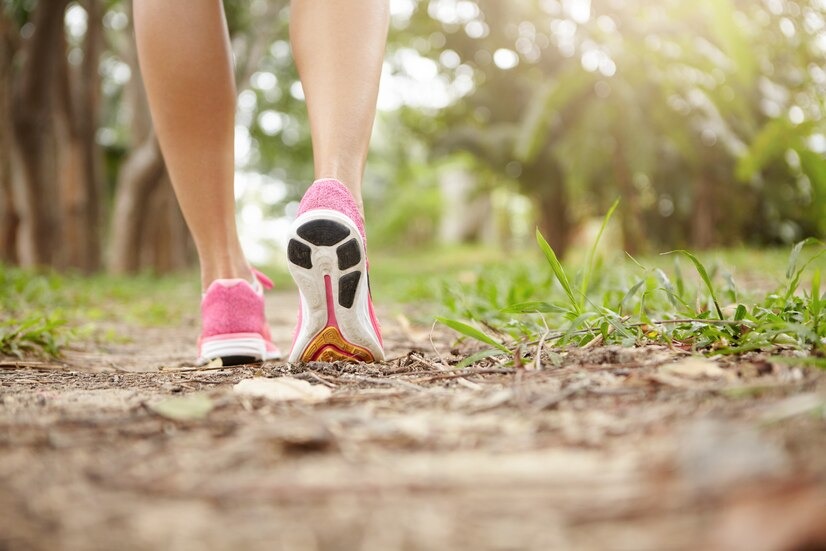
347 286
348 254
299 254
238 360
323 233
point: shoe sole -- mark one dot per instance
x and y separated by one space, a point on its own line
327 260
236 349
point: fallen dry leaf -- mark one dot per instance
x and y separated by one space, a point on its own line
190 407
695 368
282 389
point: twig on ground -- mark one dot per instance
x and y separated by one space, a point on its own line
202 368
432 344
466 373
320 379
537 363
424 361
206 382
388 381
23 364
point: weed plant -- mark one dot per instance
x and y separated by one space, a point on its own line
42 311
633 305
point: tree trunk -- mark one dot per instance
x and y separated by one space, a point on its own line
703 217
546 185
8 217
141 234
77 101
633 236
165 237
140 174
34 168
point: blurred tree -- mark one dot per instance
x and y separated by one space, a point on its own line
579 101
71 94
55 180
706 118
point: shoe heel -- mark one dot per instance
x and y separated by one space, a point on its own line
234 349
331 346
327 259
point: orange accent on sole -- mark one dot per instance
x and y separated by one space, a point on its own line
330 346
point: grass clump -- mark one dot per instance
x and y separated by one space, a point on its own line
632 304
42 311
35 335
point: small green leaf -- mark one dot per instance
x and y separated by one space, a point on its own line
472 332
669 289
470 360
535 307
631 292
740 313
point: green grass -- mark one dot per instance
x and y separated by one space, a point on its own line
419 275
41 311
715 302
679 299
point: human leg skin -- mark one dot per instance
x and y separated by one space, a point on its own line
338 46
184 52
185 61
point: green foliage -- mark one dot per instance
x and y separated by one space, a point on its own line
701 270
559 272
634 305
35 335
472 332
685 110
41 312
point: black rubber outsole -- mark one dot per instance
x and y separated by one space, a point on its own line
323 233
299 254
238 360
327 233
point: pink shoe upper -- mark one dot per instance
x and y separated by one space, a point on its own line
232 306
331 194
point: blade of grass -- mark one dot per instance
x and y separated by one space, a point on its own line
537 307
472 332
701 270
795 280
586 279
816 305
795 254
631 292
558 270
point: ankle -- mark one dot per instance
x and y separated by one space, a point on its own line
211 270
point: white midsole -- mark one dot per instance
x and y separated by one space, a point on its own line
241 346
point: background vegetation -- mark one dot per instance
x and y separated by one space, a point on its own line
706 118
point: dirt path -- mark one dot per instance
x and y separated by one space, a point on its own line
603 448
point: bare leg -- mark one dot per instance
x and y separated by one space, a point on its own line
338 47
186 65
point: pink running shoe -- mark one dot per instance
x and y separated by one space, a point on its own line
234 327
327 256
